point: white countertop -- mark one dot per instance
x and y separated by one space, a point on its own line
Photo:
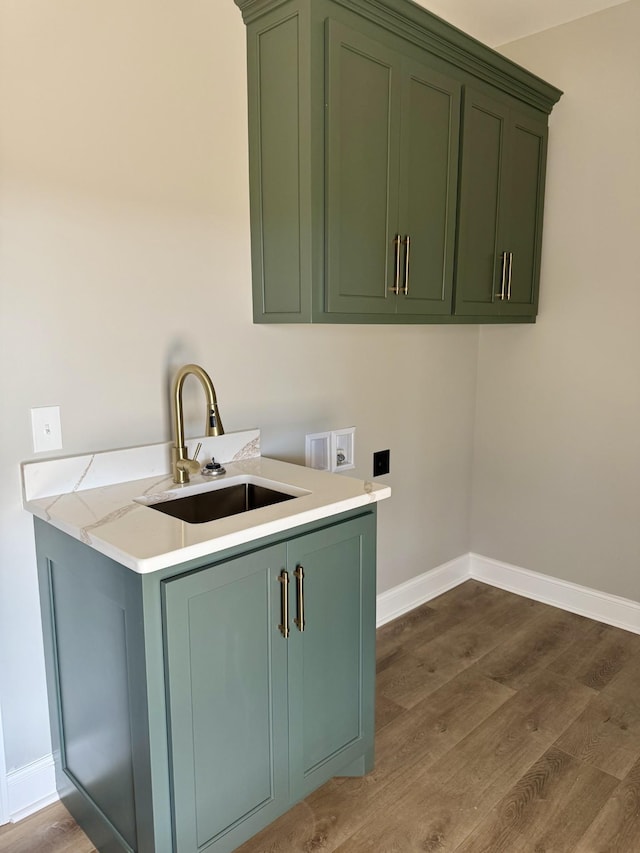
111 520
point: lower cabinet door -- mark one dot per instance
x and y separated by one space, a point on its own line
331 653
226 671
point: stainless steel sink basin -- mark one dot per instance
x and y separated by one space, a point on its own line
221 503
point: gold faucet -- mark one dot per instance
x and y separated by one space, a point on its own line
181 464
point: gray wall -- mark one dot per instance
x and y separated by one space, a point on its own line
125 252
556 485
125 227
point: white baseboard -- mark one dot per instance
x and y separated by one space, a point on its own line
4 797
4 801
601 606
31 788
404 597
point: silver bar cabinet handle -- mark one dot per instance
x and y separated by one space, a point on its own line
283 579
299 576
397 243
407 249
500 295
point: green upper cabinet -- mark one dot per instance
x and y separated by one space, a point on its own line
376 196
391 173
500 209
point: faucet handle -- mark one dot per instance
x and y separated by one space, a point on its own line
197 451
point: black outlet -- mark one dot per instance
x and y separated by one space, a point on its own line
381 462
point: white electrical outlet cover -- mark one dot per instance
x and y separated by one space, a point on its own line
317 450
343 449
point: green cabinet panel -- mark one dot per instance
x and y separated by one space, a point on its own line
429 175
95 730
480 211
182 717
391 172
226 671
280 247
332 660
356 148
528 149
362 157
500 209
97 680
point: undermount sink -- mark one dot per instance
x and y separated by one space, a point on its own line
213 504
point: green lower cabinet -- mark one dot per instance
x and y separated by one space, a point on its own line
259 719
193 705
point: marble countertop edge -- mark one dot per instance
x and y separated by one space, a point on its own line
145 565
111 520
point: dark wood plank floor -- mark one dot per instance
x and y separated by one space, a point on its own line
503 726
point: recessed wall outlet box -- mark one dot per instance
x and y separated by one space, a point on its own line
317 450
381 462
343 449
46 428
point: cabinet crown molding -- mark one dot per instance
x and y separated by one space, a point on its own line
416 24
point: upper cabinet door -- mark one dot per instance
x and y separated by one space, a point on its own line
429 175
479 268
500 210
391 171
523 241
361 161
